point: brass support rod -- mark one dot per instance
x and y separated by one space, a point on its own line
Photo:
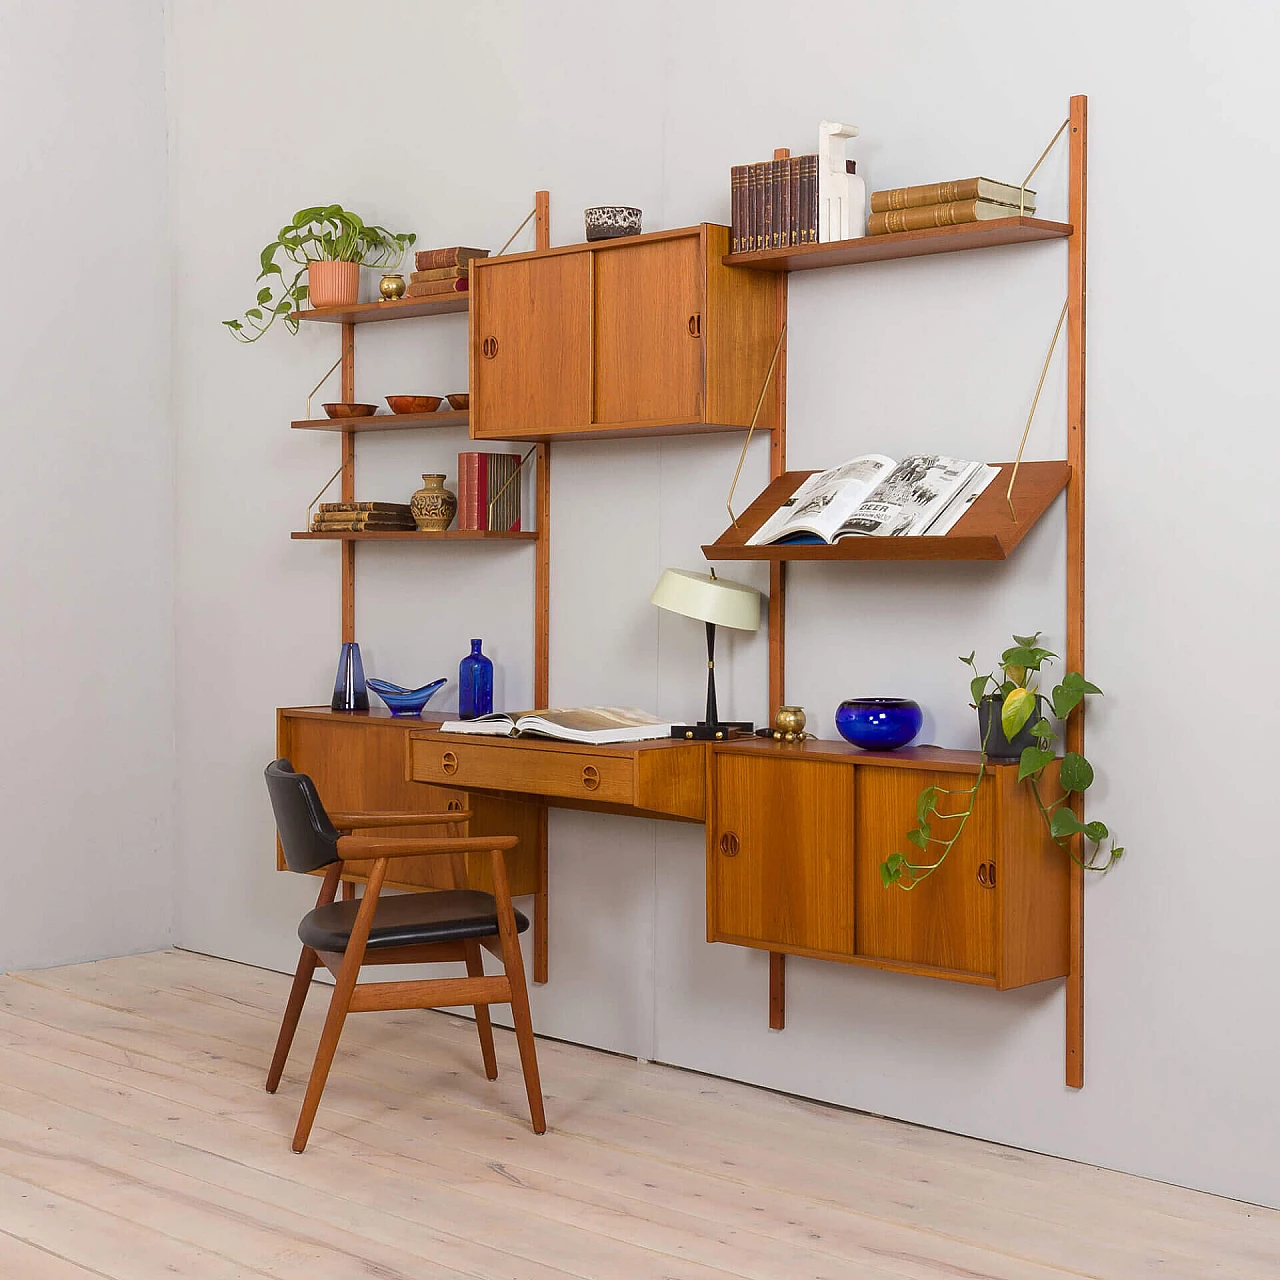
1022 195
755 417
1035 400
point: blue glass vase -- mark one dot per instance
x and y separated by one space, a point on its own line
349 692
879 724
475 684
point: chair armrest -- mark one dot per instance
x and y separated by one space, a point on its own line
363 848
356 821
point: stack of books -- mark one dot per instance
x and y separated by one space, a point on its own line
489 491
441 271
362 517
944 204
774 204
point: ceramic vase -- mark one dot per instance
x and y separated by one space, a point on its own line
333 284
433 506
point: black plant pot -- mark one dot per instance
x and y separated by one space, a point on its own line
998 746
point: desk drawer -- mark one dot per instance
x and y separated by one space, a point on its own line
574 775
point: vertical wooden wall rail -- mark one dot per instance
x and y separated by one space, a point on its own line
348 484
542 625
1075 552
778 612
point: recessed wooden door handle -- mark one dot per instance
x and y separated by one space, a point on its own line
454 806
729 845
695 325
987 875
449 762
489 347
590 777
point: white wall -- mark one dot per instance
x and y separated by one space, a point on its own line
492 100
86 484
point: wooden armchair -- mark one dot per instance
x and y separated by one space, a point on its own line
412 928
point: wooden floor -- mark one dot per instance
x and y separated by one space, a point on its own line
136 1142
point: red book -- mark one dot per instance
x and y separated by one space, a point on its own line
455 256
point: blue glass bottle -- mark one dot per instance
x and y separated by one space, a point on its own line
475 684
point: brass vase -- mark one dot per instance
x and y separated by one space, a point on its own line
391 286
433 506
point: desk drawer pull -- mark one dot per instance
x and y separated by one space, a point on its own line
590 777
449 762
489 347
729 845
987 875
695 325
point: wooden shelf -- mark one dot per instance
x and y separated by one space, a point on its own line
985 532
901 244
414 535
404 309
385 422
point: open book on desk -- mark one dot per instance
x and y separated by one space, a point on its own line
874 496
589 725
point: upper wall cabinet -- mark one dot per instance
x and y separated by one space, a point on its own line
646 335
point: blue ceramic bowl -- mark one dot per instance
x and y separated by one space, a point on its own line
405 702
877 724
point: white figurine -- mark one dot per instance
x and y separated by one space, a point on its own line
842 195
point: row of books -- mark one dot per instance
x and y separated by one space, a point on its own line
489 491
441 271
945 204
774 204
362 517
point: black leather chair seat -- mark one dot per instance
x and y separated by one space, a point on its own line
408 920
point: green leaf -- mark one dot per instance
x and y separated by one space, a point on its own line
919 836
926 802
1117 852
977 688
1028 642
264 296
1096 831
1016 711
233 324
1065 700
1033 759
891 869
254 314
1064 823
1007 688
1074 680
968 662
1077 772
1042 729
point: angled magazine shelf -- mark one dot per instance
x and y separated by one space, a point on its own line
986 531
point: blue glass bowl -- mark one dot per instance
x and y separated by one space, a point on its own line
405 702
878 724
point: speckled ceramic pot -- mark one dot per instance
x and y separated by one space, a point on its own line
609 221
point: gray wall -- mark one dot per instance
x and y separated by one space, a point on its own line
86 485
599 103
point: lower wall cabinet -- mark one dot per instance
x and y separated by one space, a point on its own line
796 836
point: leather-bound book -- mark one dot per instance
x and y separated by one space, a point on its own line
435 288
949 193
794 221
809 199
937 215
737 207
457 256
381 508
437 273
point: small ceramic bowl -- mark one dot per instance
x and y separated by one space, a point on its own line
609 221
879 724
414 404
351 410
404 702
460 402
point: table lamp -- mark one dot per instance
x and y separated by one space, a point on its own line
717 603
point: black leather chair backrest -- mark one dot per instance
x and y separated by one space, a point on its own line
307 837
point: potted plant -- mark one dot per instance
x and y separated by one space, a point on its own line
328 244
1019 731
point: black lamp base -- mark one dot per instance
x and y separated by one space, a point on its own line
704 732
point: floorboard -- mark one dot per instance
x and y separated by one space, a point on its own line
136 1140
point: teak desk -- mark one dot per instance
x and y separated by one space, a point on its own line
795 836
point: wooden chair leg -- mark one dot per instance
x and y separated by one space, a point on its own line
484 1028
339 1004
292 1012
513 963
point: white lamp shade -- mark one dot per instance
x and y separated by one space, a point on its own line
708 599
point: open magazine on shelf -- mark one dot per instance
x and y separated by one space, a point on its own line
590 725
873 496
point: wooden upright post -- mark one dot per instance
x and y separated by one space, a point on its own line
348 484
542 625
1075 554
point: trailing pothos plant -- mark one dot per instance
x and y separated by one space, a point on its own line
1017 691
325 233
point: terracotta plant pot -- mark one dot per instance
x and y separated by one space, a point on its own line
333 284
